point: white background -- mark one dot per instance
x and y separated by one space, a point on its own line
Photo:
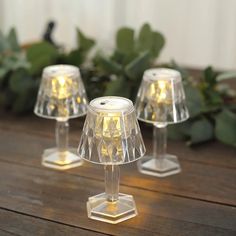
198 32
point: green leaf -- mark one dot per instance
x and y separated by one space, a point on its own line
118 56
149 40
11 63
118 87
108 65
214 98
84 43
145 38
123 59
3 72
75 57
24 102
20 81
12 40
226 75
225 129
179 131
194 100
136 67
40 55
210 76
158 43
15 61
201 131
23 89
3 43
125 40
9 43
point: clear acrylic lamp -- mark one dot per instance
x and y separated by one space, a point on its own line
161 101
111 136
61 96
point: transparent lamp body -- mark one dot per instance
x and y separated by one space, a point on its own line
61 96
161 101
111 137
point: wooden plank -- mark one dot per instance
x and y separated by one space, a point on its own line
59 197
212 153
14 223
198 181
6 233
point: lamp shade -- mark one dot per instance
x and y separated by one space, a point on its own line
161 97
61 93
111 133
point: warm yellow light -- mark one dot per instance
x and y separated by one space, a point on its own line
162 96
108 127
111 126
162 84
61 80
152 90
112 206
61 87
63 160
160 91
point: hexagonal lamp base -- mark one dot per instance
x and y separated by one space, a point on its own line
52 158
111 212
167 166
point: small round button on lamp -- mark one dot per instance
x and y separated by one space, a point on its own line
111 137
61 96
161 101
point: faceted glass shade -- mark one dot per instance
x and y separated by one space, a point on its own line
161 97
111 134
61 93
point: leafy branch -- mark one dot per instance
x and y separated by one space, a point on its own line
211 101
212 109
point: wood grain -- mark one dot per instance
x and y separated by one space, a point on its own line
38 201
198 181
55 196
6 233
14 223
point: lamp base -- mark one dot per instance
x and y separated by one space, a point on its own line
52 158
169 165
111 212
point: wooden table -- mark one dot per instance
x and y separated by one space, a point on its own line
34 200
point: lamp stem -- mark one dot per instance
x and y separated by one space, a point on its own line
61 132
159 142
112 180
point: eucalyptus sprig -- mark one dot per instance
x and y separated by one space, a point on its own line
21 68
212 109
133 53
211 101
